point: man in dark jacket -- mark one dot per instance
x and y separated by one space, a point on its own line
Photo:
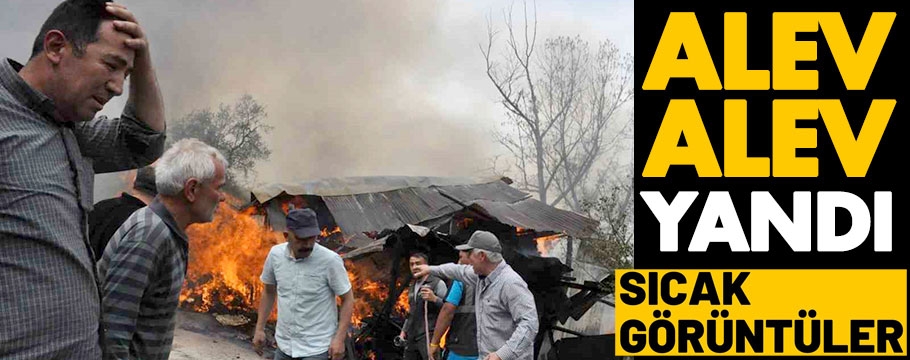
109 214
426 293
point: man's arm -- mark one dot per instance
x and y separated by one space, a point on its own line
336 349
443 320
446 314
403 333
440 291
145 94
524 313
407 320
341 286
269 294
463 273
266 303
119 144
137 138
126 279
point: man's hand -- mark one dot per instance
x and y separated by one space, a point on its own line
493 356
422 270
336 349
434 350
400 339
144 92
258 341
127 24
427 295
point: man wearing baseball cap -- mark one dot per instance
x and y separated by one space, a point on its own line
504 307
305 277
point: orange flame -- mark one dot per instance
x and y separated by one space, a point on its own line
226 259
546 243
370 291
325 233
464 222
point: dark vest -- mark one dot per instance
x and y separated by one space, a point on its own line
416 331
462 337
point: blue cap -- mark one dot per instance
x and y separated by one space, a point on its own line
303 223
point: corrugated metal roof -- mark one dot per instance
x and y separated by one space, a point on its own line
360 213
359 185
494 191
425 200
387 210
533 214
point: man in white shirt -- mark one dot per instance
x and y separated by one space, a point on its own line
305 277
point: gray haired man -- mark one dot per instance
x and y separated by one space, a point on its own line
144 265
505 310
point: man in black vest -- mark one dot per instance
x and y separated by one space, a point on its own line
458 311
425 298
109 214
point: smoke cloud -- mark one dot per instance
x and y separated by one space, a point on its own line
352 88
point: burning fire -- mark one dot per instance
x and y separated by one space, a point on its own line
370 293
546 243
226 258
464 223
325 233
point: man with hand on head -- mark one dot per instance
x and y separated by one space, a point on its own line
52 147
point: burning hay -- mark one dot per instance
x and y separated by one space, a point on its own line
227 255
226 258
371 290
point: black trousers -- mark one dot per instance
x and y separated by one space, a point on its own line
416 351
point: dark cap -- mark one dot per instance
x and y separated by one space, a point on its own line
303 223
145 180
483 240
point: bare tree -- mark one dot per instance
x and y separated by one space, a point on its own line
560 103
612 205
237 131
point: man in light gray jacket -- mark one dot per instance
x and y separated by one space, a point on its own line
505 310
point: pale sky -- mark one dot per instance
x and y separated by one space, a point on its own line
353 88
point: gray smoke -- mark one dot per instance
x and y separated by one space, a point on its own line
352 88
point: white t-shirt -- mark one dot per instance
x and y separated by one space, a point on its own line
307 311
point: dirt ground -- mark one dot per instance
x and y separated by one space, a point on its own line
189 345
201 337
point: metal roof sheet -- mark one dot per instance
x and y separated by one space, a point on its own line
416 200
535 215
360 185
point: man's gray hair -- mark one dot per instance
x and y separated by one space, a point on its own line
494 257
187 158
